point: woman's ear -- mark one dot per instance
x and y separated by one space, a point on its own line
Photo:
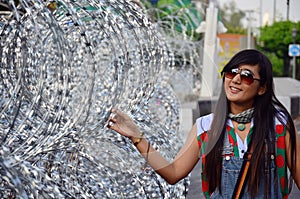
262 89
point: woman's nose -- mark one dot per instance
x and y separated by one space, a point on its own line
237 79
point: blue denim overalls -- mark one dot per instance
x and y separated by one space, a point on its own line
230 171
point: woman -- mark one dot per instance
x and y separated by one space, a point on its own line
249 120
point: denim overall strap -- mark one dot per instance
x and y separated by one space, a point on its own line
231 166
243 175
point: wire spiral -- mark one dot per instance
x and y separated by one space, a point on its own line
64 65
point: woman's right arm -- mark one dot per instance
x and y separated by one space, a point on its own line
172 172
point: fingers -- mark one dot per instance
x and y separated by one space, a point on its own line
110 124
114 110
112 118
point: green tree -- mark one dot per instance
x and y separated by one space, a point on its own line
183 12
274 40
232 18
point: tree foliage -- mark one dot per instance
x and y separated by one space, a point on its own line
274 40
181 16
232 18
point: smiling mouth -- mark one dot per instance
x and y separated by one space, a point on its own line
234 89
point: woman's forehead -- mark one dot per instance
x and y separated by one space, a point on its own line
253 68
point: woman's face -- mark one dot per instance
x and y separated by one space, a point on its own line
239 88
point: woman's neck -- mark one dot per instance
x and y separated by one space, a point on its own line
235 108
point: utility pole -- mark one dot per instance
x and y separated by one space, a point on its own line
294 35
249 28
274 11
260 13
288 10
209 28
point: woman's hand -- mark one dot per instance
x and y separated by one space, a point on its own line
123 124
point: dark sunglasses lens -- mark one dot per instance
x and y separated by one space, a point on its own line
247 77
230 74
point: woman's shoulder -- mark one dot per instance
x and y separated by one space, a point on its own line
281 118
204 123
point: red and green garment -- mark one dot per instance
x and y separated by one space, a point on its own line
280 156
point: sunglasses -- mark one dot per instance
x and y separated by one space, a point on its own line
247 76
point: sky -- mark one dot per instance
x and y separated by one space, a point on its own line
268 10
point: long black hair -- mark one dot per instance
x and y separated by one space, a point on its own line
266 108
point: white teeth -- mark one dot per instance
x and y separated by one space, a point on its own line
235 89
